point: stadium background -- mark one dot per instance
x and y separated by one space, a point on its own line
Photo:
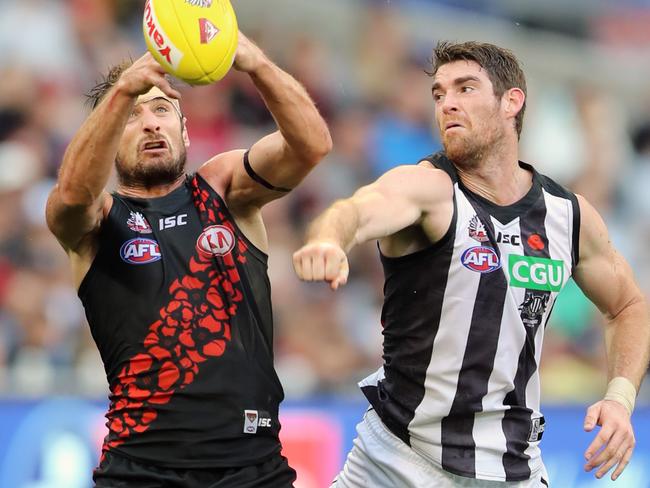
587 125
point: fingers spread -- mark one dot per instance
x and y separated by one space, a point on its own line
614 443
601 440
609 456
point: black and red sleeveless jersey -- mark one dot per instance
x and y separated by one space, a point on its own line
178 302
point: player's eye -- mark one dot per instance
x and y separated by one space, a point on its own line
162 109
437 97
466 89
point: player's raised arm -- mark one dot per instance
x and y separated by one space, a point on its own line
75 205
403 197
606 278
282 159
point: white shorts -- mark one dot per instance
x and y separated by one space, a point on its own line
379 459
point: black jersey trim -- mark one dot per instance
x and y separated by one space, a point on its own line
257 252
440 161
575 239
558 190
259 179
503 213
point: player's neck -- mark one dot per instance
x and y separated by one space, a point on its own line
498 177
139 191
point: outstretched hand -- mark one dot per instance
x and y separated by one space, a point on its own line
144 74
614 443
322 261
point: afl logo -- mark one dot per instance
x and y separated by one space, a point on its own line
216 240
140 251
480 259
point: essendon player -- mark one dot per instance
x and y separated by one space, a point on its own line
171 269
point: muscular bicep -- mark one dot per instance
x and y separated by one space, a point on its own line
72 224
602 272
403 197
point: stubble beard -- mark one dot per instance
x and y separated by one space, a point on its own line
468 150
465 151
151 174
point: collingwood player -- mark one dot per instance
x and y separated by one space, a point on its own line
172 272
476 246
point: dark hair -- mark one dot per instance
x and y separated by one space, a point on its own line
97 93
501 65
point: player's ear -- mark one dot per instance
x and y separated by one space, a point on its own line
186 137
512 101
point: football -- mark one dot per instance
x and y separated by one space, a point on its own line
194 40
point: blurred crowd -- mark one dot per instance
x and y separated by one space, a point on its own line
376 99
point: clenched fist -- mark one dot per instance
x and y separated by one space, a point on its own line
322 261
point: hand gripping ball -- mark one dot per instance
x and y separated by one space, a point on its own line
194 40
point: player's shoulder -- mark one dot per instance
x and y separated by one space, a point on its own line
417 182
218 170
441 162
422 172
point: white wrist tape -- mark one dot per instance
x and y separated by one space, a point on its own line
621 390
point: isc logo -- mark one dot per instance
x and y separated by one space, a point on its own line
216 240
173 221
480 259
140 251
252 420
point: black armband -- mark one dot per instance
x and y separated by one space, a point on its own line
259 179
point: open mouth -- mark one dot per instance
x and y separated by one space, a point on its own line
154 146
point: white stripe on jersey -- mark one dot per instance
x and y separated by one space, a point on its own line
487 424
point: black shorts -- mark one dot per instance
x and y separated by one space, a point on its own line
117 471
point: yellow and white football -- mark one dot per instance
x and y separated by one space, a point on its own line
194 40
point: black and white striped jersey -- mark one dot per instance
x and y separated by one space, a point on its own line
463 324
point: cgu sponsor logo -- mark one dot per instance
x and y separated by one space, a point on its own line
216 240
158 38
140 251
481 259
536 273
